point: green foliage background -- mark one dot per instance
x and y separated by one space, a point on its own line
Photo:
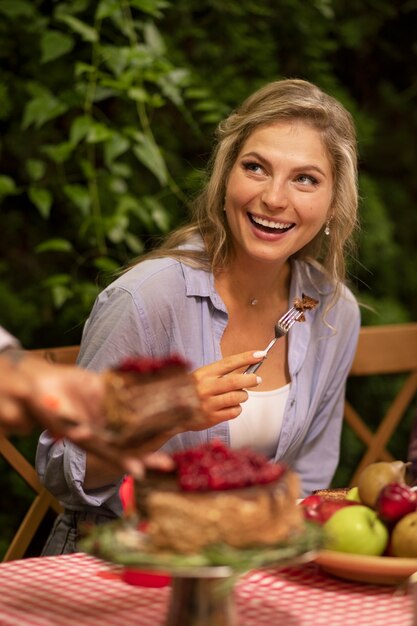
107 113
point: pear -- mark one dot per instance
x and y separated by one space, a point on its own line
404 537
353 495
375 476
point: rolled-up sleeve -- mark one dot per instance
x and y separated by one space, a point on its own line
125 320
61 468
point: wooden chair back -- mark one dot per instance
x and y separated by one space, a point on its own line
43 500
384 350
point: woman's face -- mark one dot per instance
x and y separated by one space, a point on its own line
279 192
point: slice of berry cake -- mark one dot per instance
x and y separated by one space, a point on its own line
149 400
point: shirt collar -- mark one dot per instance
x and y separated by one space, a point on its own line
200 283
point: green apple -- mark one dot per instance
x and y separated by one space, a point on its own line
353 494
357 530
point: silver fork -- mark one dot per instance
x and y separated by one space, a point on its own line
282 327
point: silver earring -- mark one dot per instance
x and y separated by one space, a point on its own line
224 209
327 228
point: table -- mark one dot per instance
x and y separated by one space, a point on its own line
78 589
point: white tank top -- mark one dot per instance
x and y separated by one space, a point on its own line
259 424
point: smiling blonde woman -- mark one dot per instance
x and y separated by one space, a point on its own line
274 221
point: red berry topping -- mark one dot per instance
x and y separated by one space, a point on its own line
215 467
144 365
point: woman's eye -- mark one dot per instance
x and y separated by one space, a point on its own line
252 167
306 179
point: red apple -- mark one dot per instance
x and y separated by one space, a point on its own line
395 501
313 500
328 507
310 505
319 509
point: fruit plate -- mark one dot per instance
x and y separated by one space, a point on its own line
381 570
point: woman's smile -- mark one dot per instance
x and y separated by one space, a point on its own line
268 225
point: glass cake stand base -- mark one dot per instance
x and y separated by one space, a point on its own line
203 598
201 584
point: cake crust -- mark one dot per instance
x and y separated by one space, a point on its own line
216 495
186 522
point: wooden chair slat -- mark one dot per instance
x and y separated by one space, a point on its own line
387 349
362 431
30 524
19 463
384 350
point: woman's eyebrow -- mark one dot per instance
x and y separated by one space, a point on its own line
297 168
254 155
309 167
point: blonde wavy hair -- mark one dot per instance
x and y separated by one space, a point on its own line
284 100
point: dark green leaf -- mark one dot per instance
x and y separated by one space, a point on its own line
153 39
134 244
117 228
148 153
116 145
138 93
107 8
153 7
7 186
17 8
83 68
35 168
98 132
117 185
42 199
80 128
158 212
54 245
60 295
41 109
116 58
55 44
59 153
57 279
106 264
120 169
79 196
87 33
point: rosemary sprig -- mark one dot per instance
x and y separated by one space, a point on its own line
120 542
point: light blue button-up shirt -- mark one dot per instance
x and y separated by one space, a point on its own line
163 306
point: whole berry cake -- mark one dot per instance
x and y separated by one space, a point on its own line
149 400
219 495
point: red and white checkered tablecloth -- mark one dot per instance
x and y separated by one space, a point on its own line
80 590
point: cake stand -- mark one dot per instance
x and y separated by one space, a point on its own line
202 597
202 585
